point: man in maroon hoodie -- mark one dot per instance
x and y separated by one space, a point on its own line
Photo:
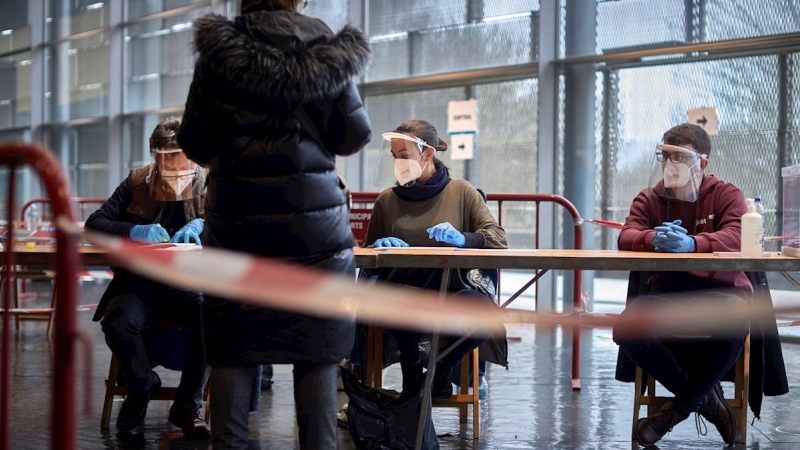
686 211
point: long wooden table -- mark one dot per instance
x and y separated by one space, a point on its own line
542 260
550 259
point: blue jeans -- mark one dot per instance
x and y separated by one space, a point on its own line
688 367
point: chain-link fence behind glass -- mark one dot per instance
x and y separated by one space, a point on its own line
793 141
505 149
635 23
651 100
332 12
449 36
386 112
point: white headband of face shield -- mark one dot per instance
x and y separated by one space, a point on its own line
684 150
394 135
167 150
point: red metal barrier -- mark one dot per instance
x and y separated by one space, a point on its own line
66 330
501 198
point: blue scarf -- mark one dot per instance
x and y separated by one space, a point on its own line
419 192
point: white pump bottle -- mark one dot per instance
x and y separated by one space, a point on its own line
752 234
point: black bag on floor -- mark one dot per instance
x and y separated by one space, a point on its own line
378 421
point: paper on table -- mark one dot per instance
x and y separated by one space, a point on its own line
176 247
415 248
526 250
739 254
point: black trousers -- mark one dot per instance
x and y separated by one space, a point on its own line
408 341
686 365
131 313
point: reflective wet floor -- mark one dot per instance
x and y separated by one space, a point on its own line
530 406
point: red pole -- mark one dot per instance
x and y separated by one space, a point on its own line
46 165
7 314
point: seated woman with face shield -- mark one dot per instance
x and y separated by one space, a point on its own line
161 202
428 208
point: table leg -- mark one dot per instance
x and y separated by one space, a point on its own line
426 394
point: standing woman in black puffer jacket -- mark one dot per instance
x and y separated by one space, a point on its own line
271 105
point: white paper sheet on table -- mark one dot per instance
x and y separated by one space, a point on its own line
178 247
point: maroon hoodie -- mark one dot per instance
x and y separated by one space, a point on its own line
714 221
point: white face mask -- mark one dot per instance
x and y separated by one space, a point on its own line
178 180
677 175
407 170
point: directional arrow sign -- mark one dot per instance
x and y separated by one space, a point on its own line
462 144
706 118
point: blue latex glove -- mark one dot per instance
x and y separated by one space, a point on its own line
389 242
444 232
149 234
675 226
189 231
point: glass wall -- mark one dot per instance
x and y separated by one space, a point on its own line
439 36
159 61
109 72
84 150
76 79
15 28
15 90
103 73
66 18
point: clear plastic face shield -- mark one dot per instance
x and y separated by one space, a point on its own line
171 177
679 169
401 160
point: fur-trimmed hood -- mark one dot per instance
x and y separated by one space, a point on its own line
280 54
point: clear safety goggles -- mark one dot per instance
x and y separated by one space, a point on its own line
677 172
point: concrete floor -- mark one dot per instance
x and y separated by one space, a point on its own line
529 406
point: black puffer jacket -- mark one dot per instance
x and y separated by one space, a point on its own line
271 105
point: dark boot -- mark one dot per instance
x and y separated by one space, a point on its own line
651 429
193 426
134 408
410 372
716 410
442 388
266 377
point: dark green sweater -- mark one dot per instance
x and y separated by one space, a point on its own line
459 203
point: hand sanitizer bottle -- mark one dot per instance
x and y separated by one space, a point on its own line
752 234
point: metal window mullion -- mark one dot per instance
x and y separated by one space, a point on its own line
547 116
413 37
607 160
469 93
474 11
16 52
116 92
355 166
78 36
783 127
36 15
217 6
